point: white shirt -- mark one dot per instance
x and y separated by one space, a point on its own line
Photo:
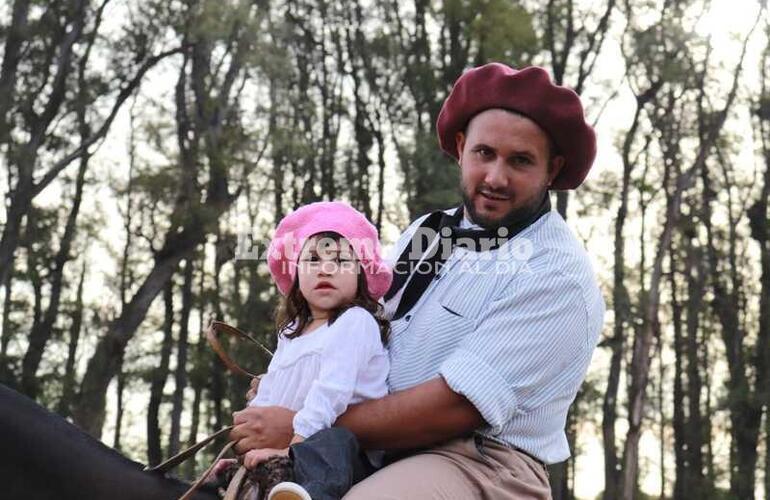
320 373
512 329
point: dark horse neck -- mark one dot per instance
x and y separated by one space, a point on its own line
42 456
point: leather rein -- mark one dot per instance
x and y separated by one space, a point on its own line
212 333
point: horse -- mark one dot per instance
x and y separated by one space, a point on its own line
42 457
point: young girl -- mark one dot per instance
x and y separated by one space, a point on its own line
325 259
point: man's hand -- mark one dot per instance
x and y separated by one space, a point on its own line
262 427
253 387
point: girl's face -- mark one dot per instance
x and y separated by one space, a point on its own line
328 274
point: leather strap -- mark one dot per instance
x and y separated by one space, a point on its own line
202 479
188 452
212 335
236 483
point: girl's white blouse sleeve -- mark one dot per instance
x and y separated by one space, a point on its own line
264 391
350 343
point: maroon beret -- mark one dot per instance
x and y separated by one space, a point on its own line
529 91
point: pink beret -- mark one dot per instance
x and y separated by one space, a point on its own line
294 230
529 91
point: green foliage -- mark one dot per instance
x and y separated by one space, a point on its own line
437 178
158 186
664 50
505 32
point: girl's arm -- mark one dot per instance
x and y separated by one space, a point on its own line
345 355
270 429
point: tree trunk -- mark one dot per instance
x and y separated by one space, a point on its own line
33 267
25 190
696 432
767 452
5 338
120 388
278 173
159 376
640 361
126 274
760 231
662 413
359 182
706 362
639 371
103 365
42 330
622 310
217 393
562 199
15 36
558 480
180 375
68 386
680 439
745 408
197 374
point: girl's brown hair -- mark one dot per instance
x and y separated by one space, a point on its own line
294 307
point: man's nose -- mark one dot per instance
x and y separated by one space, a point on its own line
496 176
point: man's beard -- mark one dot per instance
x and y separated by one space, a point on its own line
514 216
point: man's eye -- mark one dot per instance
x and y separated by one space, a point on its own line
484 152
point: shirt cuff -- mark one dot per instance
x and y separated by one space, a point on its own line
467 374
303 427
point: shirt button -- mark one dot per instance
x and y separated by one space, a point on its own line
408 317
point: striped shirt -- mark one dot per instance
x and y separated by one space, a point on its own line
511 329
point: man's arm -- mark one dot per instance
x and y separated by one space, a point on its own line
420 416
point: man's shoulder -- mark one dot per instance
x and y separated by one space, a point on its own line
556 250
555 239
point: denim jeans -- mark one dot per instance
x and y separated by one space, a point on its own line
329 463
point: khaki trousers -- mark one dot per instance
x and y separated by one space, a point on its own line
467 468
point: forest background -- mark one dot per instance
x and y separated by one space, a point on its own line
149 147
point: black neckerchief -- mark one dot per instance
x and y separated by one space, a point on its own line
447 227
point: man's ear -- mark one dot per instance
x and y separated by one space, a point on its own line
460 142
557 163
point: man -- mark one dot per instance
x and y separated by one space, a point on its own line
494 324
